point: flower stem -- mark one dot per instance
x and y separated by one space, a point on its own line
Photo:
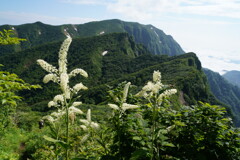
67 131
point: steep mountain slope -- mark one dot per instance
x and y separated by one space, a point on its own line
86 53
110 59
155 40
225 92
233 77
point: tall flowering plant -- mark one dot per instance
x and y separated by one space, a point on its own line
120 121
65 102
155 94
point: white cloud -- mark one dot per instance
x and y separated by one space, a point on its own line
24 17
151 8
131 9
218 65
219 60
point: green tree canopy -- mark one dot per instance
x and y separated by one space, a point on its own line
7 38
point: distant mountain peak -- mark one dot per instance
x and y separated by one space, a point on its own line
154 39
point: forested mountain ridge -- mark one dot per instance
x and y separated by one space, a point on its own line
110 59
155 40
225 91
233 77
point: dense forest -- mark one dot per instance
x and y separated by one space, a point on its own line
225 91
108 97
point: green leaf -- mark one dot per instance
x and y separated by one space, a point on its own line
139 154
167 144
61 143
179 123
4 101
50 139
137 138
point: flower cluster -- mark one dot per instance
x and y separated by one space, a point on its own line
166 94
57 101
123 105
72 111
78 71
60 75
65 102
51 77
46 66
56 116
153 88
87 123
79 87
62 61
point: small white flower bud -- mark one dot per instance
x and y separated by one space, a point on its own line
84 121
125 91
126 106
78 71
89 115
156 76
84 127
46 66
75 104
73 109
58 98
48 118
52 104
113 106
50 77
79 87
148 87
94 125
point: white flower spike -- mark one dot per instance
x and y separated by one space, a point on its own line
62 62
125 91
78 71
46 66
156 76
50 77
126 106
113 106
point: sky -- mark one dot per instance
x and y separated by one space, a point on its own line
209 28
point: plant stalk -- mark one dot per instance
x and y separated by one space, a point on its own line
67 131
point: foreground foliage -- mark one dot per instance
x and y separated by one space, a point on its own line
135 124
10 85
